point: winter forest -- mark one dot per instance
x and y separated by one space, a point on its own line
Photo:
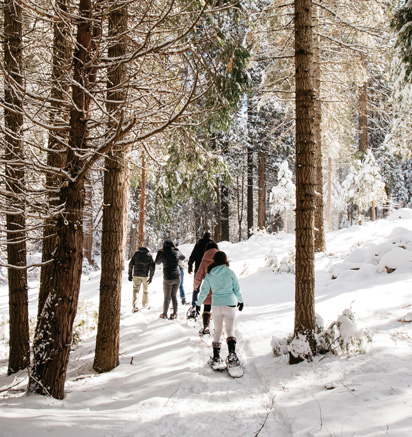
124 123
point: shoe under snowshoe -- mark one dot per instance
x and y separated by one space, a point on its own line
173 316
162 316
135 310
217 364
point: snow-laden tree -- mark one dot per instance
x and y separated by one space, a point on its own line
335 200
364 185
407 172
282 197
392 175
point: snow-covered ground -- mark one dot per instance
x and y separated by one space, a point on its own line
163 386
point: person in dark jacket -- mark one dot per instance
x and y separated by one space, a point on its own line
197 253
169 256
141 271
196 258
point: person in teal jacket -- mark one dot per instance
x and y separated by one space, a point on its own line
226 297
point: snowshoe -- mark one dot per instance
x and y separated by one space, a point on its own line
217 364
135 310
234 367
191 313
204 331
205 336
162 316
173 316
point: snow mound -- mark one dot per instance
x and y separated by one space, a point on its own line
396 259
401 214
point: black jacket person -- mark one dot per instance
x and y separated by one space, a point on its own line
141 271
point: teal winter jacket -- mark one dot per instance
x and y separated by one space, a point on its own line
224 285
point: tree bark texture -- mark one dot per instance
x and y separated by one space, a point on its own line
320 239
305 174
56 157
53 336
261 188
115 200
19 356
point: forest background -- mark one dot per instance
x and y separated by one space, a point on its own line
125 123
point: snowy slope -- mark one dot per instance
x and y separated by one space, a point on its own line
163 386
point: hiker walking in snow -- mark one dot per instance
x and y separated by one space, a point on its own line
141 271
196 258
169 256
210 250
225 297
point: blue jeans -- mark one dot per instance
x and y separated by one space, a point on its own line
182 290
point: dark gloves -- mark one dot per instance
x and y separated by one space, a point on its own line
240 306
197 310
189 270
150 280
130 278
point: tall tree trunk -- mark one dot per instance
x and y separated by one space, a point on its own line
19 356
142 207
56 157
261 188
115 200
224 212
53 336
305 177
249 191
320 239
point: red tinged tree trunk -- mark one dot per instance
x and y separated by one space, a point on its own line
56 157
53 336
305 176
19 357
115 201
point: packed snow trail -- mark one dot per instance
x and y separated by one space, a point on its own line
164 387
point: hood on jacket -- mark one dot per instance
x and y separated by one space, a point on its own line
143 249
168 243
219 270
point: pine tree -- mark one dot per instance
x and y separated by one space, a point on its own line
19 356
115 200
305 181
